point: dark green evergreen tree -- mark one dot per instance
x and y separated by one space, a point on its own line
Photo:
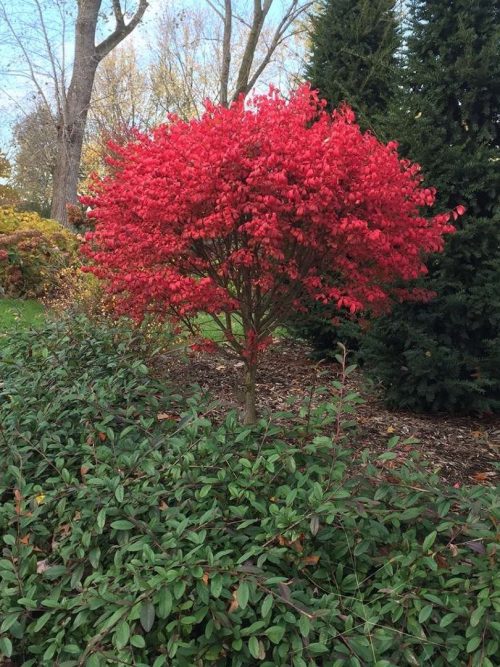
353 55
445 354
353 59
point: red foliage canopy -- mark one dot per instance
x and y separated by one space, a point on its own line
250 208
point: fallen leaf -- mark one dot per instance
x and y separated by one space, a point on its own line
42 566
65 529
205 578
18 498
40 498
476 545
441 561
483 476
311 560
284 591
234 603
101 436
162 416
390 429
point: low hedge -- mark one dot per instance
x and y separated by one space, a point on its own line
33 251
138 530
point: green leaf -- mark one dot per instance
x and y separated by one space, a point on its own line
429 541
9 621
253 647
447 619
122 524
5 647
101 519
205 490
216 585
275 633
316 648
165 602
122 634
266 605
304 625
55 572
425 612
111 620
179 588
73 649
119 493
42 620
473 643
242 595
252 629
147 616
476 616
411 658
137 641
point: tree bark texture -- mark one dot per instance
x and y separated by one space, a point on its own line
74 109
250 409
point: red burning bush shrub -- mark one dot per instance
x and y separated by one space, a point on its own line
244 212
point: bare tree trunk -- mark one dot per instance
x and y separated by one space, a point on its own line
71 131
226 53
75 106
250 411
259 16
247 68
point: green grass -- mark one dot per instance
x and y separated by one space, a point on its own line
18 313
210 330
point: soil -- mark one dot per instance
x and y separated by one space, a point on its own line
460 449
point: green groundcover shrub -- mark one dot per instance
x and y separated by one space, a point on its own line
137 531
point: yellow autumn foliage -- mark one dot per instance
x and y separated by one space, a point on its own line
33 253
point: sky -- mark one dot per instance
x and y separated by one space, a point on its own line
17 93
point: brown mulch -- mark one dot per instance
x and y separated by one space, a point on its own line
462 450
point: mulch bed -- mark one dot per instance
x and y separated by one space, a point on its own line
462 450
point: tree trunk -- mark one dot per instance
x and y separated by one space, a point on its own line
70 142
250 412
73 109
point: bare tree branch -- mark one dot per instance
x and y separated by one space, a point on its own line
29 61
219 13
259 16
60 93
120 21
293 12
226 53
121 30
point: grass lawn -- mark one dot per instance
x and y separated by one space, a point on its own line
18 313
210 330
